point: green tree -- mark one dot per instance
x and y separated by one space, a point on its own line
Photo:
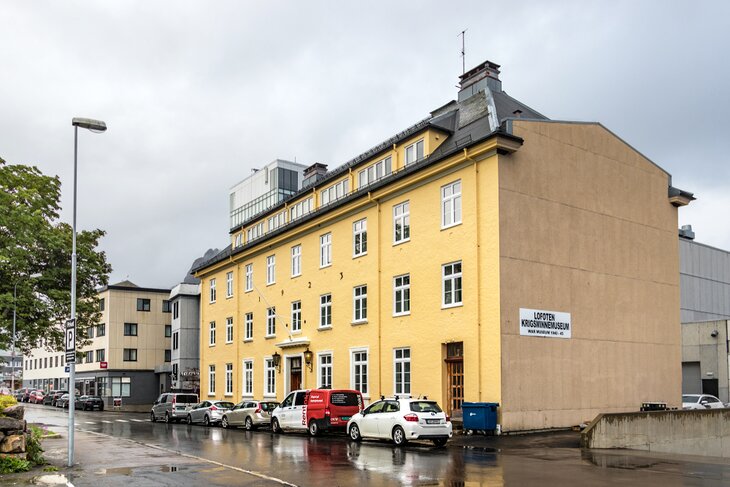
32 240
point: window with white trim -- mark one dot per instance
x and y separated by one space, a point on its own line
325 250
211 334
325 310
270 269
247 378
229 330
334 192
229 379
269 377
254 232
211 380
360 237
300 209
451 204
296 316
249 277
276 221
402 370
401 223
402 295
414 152
248 327
451 284
324 376
359 363
239 240
271 321
374 172
229 284
360 304
212 290
296 261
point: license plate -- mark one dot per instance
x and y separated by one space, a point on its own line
345 418
433 421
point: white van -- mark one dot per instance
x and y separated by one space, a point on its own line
172 406
291 414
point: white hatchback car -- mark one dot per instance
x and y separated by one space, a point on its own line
701 401
291 413
402 420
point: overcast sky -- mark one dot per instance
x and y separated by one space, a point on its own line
196 94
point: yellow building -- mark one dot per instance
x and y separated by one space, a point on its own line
484 254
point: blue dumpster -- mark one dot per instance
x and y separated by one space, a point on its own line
480 415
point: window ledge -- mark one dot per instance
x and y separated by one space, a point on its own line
228 395
247 340
211 394
450 226
325 266
401 242
324 328
296 275
229 343
211 345
398 315
269 337
449 306
229 297
269 395
359 322
357 256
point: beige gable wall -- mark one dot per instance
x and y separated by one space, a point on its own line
586 228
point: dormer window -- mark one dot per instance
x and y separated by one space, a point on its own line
371 174
414 152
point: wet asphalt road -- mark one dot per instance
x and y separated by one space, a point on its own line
331 461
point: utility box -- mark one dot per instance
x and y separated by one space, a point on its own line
480 416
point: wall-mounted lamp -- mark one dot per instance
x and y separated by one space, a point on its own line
714 333
308 357
276 358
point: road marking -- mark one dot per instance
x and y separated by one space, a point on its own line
194 457
139 420
89 422
105 421
122 421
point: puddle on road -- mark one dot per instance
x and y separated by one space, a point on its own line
627 462
131 470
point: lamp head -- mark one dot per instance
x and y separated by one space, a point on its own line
89 123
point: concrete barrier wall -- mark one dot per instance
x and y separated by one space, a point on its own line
693 432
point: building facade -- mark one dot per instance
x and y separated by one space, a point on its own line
10 366
485 253
185 301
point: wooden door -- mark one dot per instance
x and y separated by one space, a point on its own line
454 376
295 373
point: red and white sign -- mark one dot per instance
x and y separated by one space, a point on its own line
103 365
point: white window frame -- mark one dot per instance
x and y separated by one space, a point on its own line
296 260
255 232
325 250
239 240
211 380
211 334
353 369
325 311
229 284
212 290
360 304
276 221
334 192
229 329
271 322
271 270
296 317
322 366
249 278
360 238
400 290
269 372
229 380
452 203
248 378
248 327
453 277
414 147
300 209
404 219
399 387
374 172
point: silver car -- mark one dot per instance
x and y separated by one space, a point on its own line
208 412
249 414
172 406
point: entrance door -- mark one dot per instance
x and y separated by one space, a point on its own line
295 373
454 376
710 386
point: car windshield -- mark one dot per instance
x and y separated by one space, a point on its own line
425 407
344 399
690 398
268 406
186 398
224 405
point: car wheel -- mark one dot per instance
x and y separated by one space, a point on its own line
206 421
189 419
313 428
152 416
355 432
224 422
399 436
249 423
439 442
275 427
168 419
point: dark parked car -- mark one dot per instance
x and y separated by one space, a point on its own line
62 402
56 396
90 403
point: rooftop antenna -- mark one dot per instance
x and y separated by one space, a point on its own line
463 50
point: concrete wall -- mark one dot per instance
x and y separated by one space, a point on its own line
699 346
704 282
586 228
701 432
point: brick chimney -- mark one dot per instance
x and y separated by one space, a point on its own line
313 173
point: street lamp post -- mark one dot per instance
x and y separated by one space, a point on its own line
94 126
15 312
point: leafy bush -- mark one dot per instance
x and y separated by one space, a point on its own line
10 464
7 401
33 449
